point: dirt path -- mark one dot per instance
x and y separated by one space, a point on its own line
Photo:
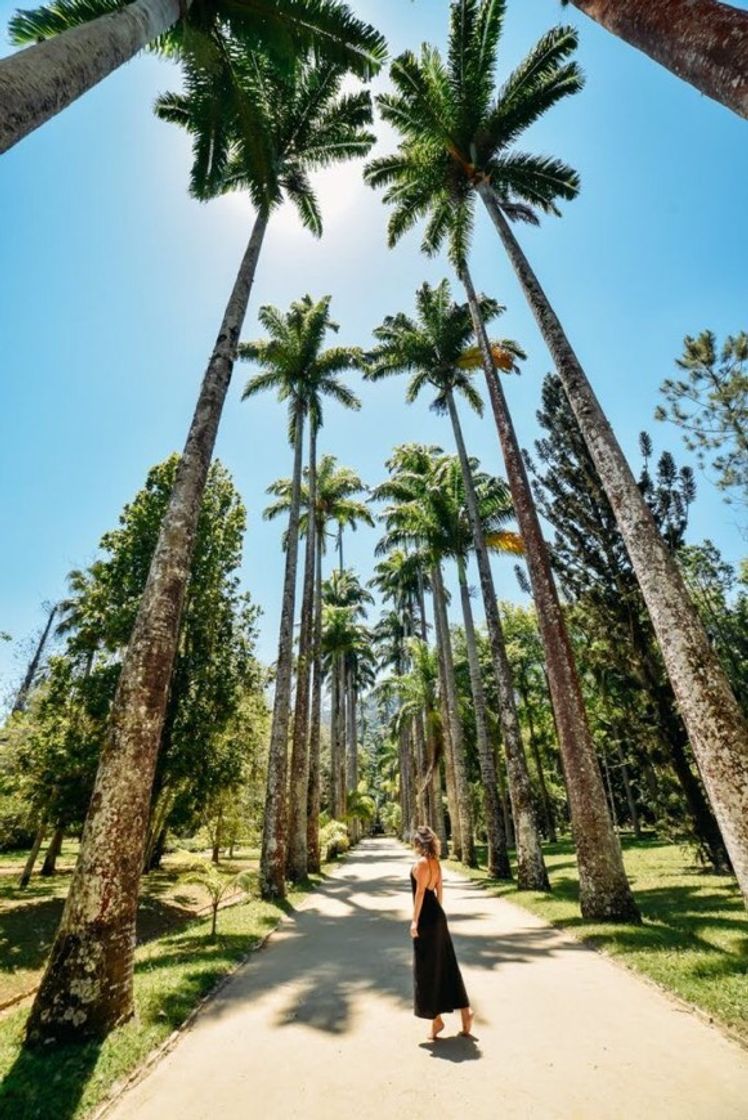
320 1024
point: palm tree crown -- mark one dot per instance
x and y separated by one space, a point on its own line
295 364
280 28
457 131
299 122
436 348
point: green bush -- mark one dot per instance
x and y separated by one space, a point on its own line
390 816
16 828
333 840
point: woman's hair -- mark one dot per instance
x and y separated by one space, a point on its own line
426 842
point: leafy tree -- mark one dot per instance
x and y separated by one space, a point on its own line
76 43
710 405
721 596
596 573
214 664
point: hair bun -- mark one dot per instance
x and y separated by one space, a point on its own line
426 841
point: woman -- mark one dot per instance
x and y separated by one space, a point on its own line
436 974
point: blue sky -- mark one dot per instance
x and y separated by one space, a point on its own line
113 284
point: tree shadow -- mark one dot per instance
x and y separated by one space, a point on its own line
48 1084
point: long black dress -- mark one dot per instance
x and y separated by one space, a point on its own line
437 981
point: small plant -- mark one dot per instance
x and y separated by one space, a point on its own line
217 886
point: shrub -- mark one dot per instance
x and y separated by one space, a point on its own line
333 839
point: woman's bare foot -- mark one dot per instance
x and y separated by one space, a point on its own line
467 1020
437 1027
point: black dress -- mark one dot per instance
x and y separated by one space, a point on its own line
437 981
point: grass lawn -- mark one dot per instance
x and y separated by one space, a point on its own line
172 973
29 918
694 937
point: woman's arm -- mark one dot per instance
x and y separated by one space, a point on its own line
439 885
421 873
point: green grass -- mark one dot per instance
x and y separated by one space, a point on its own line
693 940
29 917
172 974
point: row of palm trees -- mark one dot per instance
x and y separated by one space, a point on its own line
264 109
259 121
457 145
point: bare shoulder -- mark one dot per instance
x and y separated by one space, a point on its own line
421 868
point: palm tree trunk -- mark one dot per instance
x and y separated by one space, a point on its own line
273 852
334 737
506 808
531 872
630 800
449 778
498 856
350 734
215 854
550 824
87 986
351 747
439 826
313 802
20 701
716 727
462 790
39 81
340 755
705 42
53 851
297 868
423 809
407 798
604 892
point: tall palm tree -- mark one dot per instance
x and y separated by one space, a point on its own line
434 349
458 138
295 364
705 43
298 361
77 43
311 123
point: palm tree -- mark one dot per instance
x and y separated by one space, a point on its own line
401 578
492 509
303 373
705 43
76 43
409 521
311 124
344 601
294 364
435 350
458 143
336 501
419 698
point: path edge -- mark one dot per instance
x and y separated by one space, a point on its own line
679 1002
159 1052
